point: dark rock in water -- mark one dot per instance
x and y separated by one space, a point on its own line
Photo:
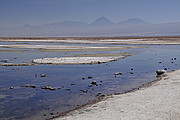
30 86
90 85
11 87
94 82
131 73
68 89
48 88
103 95
4 60
35 75
51 114
84 91
173 58
118 73
165 68
160 72
89 77
73 84
98 94
43 75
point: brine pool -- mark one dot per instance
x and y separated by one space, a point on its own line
22 96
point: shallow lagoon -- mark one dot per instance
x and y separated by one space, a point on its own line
72 91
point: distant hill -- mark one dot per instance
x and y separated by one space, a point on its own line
133 21
102 21
99 27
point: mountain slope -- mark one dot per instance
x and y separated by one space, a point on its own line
133 21
101 21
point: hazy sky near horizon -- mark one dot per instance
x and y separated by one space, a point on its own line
37 12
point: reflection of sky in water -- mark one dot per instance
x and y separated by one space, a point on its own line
45 104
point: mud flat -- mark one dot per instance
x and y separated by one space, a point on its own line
159 100
77 60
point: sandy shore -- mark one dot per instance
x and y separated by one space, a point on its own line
160 101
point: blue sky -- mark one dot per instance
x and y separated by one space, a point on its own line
36 12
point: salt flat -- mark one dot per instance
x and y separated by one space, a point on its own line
111 40
160 101
76 60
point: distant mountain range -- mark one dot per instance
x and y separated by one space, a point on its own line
102 21
100 27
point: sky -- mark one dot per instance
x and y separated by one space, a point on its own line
37 12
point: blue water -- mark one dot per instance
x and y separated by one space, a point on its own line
71 90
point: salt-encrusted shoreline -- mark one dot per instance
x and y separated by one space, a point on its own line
135 41
70 47
159 101
76 60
